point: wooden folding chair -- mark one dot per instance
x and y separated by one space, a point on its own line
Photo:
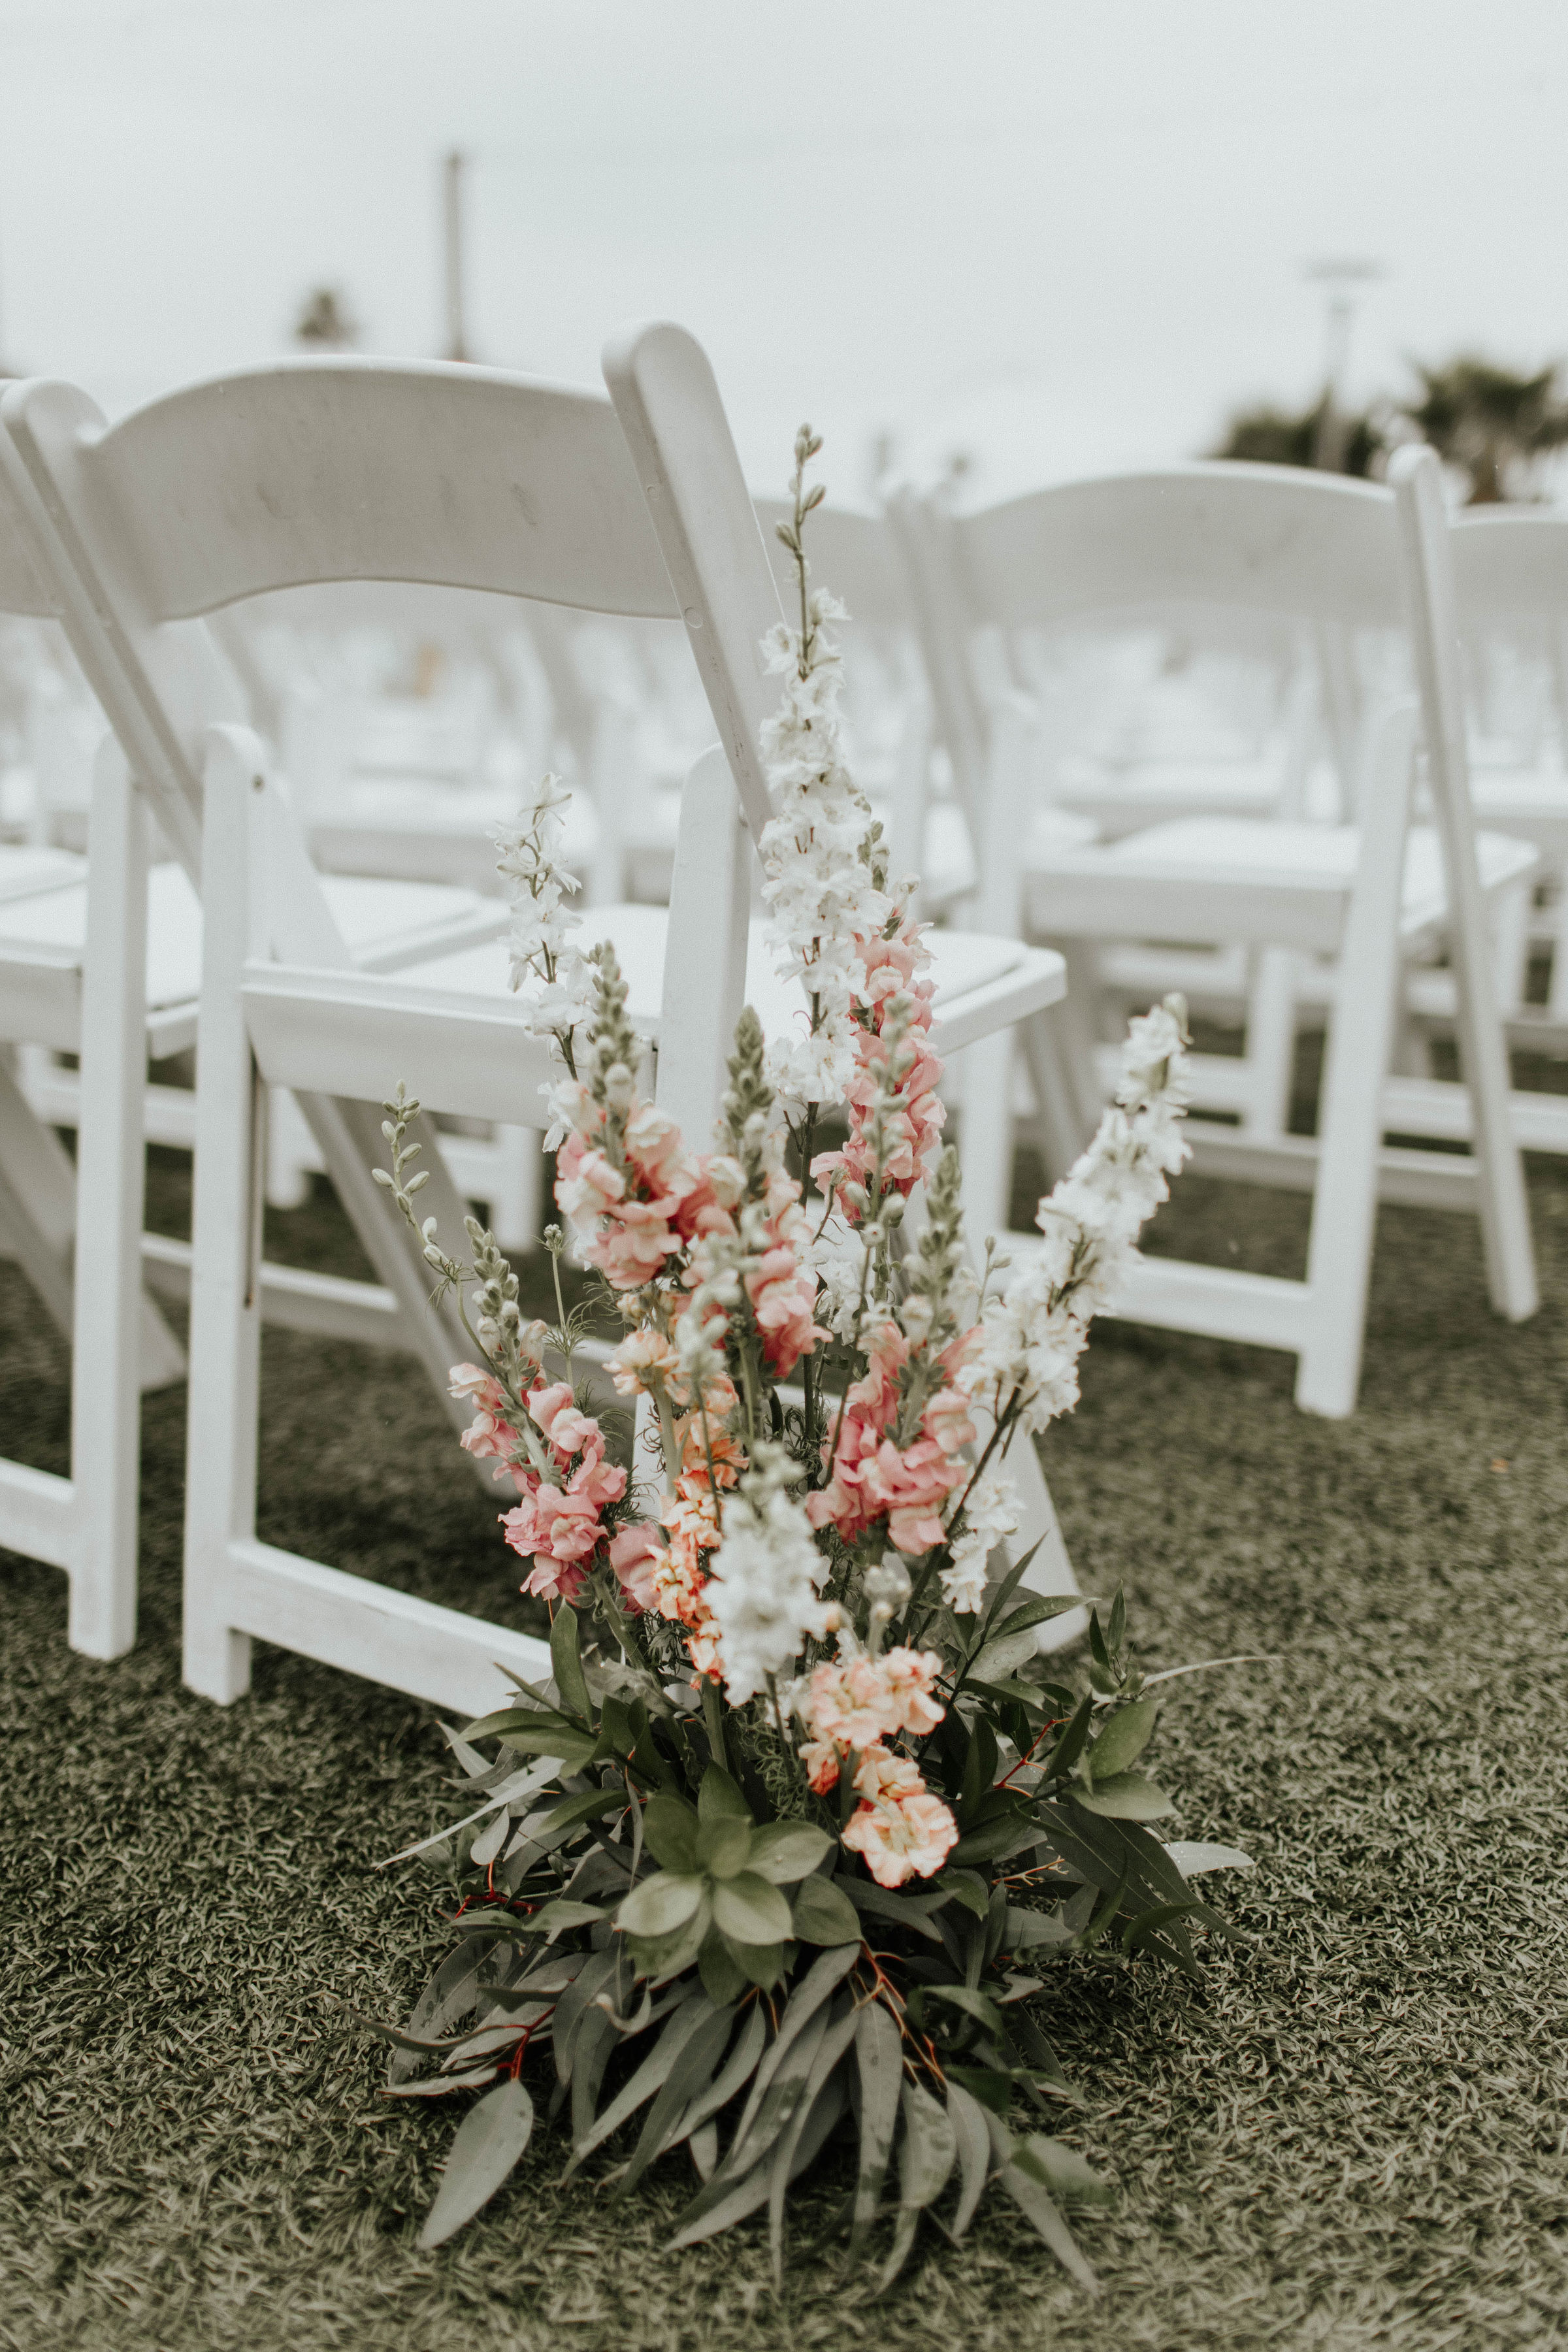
1325 551
454 476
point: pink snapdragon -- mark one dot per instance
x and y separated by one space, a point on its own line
873 1477
558 1522
896 976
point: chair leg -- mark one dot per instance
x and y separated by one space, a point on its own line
985 1075
1271 1042
225 1322
106 1388
515 1210
1350 1126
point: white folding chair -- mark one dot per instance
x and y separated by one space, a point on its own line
464 478
1323 550
108 969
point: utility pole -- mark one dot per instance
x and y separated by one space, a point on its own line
1338 278
452 209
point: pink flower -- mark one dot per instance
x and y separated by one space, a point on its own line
946 1420
634 1552
569 1430
909 1676
820 1758
488 1435
901 1830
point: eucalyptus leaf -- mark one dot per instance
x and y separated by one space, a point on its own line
565 1659
1034 2201
650 2076
1193 1856
1126 1732
972 2144
1125 1797
489 1841
1061 2169
490 2139
878 2057
436 2087
689 2076
1026 1931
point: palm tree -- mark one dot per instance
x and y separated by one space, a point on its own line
1267 435
1494 426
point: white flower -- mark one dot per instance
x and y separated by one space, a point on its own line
1036 1330
992 1511
540 939
837 1256
763 1577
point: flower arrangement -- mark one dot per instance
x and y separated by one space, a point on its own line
773 1859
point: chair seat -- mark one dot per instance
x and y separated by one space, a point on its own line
1226 877
1532 803
343 1034
23 870
409 830
1148 792
43 942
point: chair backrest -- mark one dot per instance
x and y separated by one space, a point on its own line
1509 564
1306 547
310 471
853 554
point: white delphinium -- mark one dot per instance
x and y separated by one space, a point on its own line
539 940
991 1511
1036 1330
819 886
837 1256
763 1577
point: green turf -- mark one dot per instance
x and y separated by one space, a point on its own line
1354 2137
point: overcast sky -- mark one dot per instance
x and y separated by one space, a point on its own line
1061 234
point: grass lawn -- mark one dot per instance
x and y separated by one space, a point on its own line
1353 2136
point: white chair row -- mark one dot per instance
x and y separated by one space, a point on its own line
314 472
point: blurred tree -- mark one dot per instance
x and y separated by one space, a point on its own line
1266 435
324 323
1494 426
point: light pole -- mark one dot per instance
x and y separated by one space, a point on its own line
452 213
1338 279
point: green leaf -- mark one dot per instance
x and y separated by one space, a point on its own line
1146 1928
785 1851
660 1905
507 1722
971 2001
1125 1797
1127 1732
903 1910
1116 1631
751 2190
1069 1742
690 2075
820 1980
570 1749
835 2042
737 2072
930 2148
490 2138
750 1910
650 2076
448 1997
878 2056
986 2086
1061 2169
720 1795
669 1832
723 1845
972 2144
562 1913
1025 1930
567 1663
571 1814
1191 1857
760 1964
436 2087
1034 2202
723 1979
993 1838
661 1957
824 1913
968 1887
1005 1653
